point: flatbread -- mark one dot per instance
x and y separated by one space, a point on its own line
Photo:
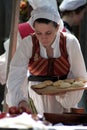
48 82
43 84
78 84
81 79
69 80
63 85
58 83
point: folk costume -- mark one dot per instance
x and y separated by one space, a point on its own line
66 8
70 5
24 58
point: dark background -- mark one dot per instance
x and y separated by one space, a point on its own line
5 21
5 25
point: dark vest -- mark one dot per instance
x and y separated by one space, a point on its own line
39 66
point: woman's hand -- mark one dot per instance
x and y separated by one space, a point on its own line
24 107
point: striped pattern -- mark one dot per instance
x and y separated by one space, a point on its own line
39 66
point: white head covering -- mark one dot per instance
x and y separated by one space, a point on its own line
40 3
47 12
71 4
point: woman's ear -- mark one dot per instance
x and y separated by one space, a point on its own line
57 28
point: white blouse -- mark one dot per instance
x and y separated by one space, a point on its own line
3 68
18 86
4 59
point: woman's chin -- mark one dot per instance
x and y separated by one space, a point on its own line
45 45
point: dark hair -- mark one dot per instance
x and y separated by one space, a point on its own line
77 11
46 21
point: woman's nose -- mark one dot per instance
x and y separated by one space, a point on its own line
43 36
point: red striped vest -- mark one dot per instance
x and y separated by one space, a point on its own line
39 66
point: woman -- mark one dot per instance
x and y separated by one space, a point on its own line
36 53
72 12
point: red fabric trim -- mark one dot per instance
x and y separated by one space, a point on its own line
25 29
64 30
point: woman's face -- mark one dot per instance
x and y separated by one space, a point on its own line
79 17
45 33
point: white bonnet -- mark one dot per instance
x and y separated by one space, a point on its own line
71 4
47 12
39 3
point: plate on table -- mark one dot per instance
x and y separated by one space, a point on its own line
53 88
66 119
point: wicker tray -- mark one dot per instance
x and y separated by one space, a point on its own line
51 90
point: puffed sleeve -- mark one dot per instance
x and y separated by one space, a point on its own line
76 60
4 59
3 69
17 77
70 99
77 69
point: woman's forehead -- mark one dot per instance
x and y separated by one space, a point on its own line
43 25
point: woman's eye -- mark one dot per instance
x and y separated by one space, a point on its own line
38 33
48 33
